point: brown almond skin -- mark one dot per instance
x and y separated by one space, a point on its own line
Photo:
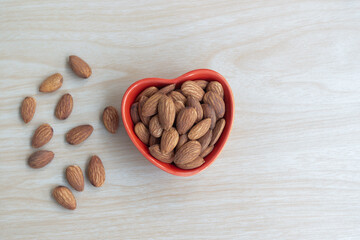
144 120
187 152
207 151
209 112
42 135
64 107
202 83
28 108
219 128
75 177
178 106
190 88
182 140
216 87
166 110
177 96
96 171
205 140
79 67
214 100
40 158
193 102
79 134
151 105
154 127
185 119
142 132
64 197
167 89
134 113
153 140
197 162
148 92
111 119
169 140
200 129
156 153
52 83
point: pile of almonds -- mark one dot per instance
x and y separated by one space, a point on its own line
180 126
44 133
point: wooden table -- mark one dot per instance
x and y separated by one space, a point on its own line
290 170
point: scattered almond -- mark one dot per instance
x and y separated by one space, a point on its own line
96 171
42 135
156 153
64 107
40 158
79 134
52 83
64 197
169 140
166 110
79 67
142 132
27 110
75 177
111 119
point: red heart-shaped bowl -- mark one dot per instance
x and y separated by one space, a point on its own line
201 74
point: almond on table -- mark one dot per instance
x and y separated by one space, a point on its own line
42 135
28 108
79 66
64 107
79 134
96 171
52 83
64 197
111 119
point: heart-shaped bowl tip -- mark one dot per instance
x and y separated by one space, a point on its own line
200 74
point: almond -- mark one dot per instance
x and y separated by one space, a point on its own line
216 87
42 135
177 96
167 89
190 88
151 105
178 106
200 129
96 171
64 197
201 83
207 151
209 112
27 110
197 162
75 177
214 100
185 119
182 140
134 113
169 140
52 83
188 152
79 134
79 67
153 140
145 120
193 102
155 127
166 110
156 153
148 92
40 158
205 140
64 107
142 132
219 127
111 119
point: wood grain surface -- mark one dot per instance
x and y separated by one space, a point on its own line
291 167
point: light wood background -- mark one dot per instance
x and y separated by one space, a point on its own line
290 170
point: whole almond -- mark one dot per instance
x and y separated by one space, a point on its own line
75 177
145 120
148 92
169 140
40 158
79 67
201 83
207 151
197 162
182 140
153 140
187 152
214 100
205 140
193 102
190 88
52 83
64 107
64 197
155 127
219 127
167 89
216 87
209 112
166 110
134 113
200 129
27 110
178 106
142 132
96 171
151 105
42 135
156 153
79 134
185 119
177 96
111 119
